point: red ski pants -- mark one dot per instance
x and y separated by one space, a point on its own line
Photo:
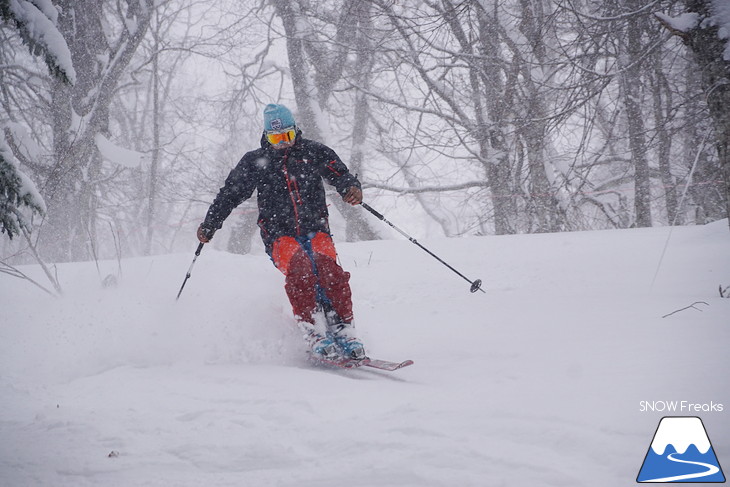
305 270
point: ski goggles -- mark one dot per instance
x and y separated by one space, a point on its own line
281 136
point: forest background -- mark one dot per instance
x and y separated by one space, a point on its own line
121 119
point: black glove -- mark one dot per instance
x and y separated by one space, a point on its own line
205 234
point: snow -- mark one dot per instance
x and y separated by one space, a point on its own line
682 23
47 8
40 21
721 17
23 139
118 155
537 382
25 186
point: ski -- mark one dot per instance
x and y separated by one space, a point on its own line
342 363
347 363
386 364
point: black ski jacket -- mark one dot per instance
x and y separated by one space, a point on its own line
291 197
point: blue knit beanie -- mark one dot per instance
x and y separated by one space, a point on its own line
277 117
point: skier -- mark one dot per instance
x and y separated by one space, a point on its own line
288 171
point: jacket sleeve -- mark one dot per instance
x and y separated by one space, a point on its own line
335 171
239 186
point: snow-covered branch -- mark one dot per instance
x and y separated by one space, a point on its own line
17 191
36 23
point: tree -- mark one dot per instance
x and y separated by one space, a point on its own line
17 192
37 29
699 27
490 94
483 116
631 68
37 24
72 181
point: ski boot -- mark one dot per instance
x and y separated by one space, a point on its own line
350 346
320 345
323 347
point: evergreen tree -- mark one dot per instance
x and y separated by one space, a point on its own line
36 23
17 192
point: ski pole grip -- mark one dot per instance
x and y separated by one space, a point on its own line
369 208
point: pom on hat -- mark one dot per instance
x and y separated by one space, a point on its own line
277 117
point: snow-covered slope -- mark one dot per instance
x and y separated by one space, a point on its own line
537 382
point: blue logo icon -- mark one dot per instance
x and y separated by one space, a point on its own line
681 452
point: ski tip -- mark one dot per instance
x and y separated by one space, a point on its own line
387 365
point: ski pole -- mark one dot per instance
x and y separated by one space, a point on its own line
190 269
475 285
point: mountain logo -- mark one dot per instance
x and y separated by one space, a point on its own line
681 452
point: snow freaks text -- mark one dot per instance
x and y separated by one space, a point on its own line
680 407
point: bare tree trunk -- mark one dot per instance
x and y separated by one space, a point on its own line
243 229
156 120
704 42
357 227
631 96
302 80
662 96
706 188
57 236
79 114
533 127
492 125
708 49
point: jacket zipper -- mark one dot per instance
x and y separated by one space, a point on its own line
291 192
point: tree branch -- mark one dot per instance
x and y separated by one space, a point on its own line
687 307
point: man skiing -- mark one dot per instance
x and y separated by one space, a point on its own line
288 171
